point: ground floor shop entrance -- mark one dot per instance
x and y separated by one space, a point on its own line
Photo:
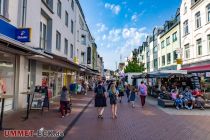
7 77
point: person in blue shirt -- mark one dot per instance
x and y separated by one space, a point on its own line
188 98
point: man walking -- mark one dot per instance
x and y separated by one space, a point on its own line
142 92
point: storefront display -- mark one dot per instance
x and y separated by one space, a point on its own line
7 77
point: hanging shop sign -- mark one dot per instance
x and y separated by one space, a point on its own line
179 61
23 34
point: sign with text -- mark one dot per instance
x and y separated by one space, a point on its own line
23 34
179 61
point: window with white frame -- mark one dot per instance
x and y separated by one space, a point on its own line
199 46
163 60
66 46
66 19
174 55
169 58
59 8
163 44
185 27
185 8
72 4
58 41
72 51
197 20
23 13
208 12
82 57
167 41
72 26
83 39
174 37
43 36
4 8
187 51
208 40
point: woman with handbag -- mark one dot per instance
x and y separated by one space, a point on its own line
113 94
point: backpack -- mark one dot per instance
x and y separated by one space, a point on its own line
142 90
100 91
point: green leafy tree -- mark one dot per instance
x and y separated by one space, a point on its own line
134 65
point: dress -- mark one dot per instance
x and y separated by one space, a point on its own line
132 96
100 99
113 97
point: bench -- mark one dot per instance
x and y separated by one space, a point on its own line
169 103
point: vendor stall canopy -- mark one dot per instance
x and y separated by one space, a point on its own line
162 74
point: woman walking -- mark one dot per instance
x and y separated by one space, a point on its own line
100 99
143 93
127 90
64 101
113 93
121 90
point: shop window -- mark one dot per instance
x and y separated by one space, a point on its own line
163 60
59 8
66 19
199 46
197 20
174 36
169 58
66 47
187 51
58 40
43 36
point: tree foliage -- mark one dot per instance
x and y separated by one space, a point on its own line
134 65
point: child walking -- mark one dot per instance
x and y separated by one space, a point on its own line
133 96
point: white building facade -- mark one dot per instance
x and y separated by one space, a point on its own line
57 46
195 31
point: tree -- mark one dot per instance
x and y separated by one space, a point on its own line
134 65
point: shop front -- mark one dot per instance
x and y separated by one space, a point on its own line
201 75
7 77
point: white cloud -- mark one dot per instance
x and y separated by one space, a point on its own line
134 17
101 27
104 37
114 8
114 35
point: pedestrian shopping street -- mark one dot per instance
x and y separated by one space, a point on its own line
150 123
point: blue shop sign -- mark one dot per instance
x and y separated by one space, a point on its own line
23 34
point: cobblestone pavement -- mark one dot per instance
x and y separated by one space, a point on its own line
49 120
149 123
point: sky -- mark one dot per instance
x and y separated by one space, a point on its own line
119 26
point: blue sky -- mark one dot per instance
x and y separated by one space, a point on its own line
119 26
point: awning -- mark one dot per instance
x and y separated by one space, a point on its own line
19 47
197 68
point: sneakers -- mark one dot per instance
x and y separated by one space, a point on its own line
62 116
67 114
177 107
